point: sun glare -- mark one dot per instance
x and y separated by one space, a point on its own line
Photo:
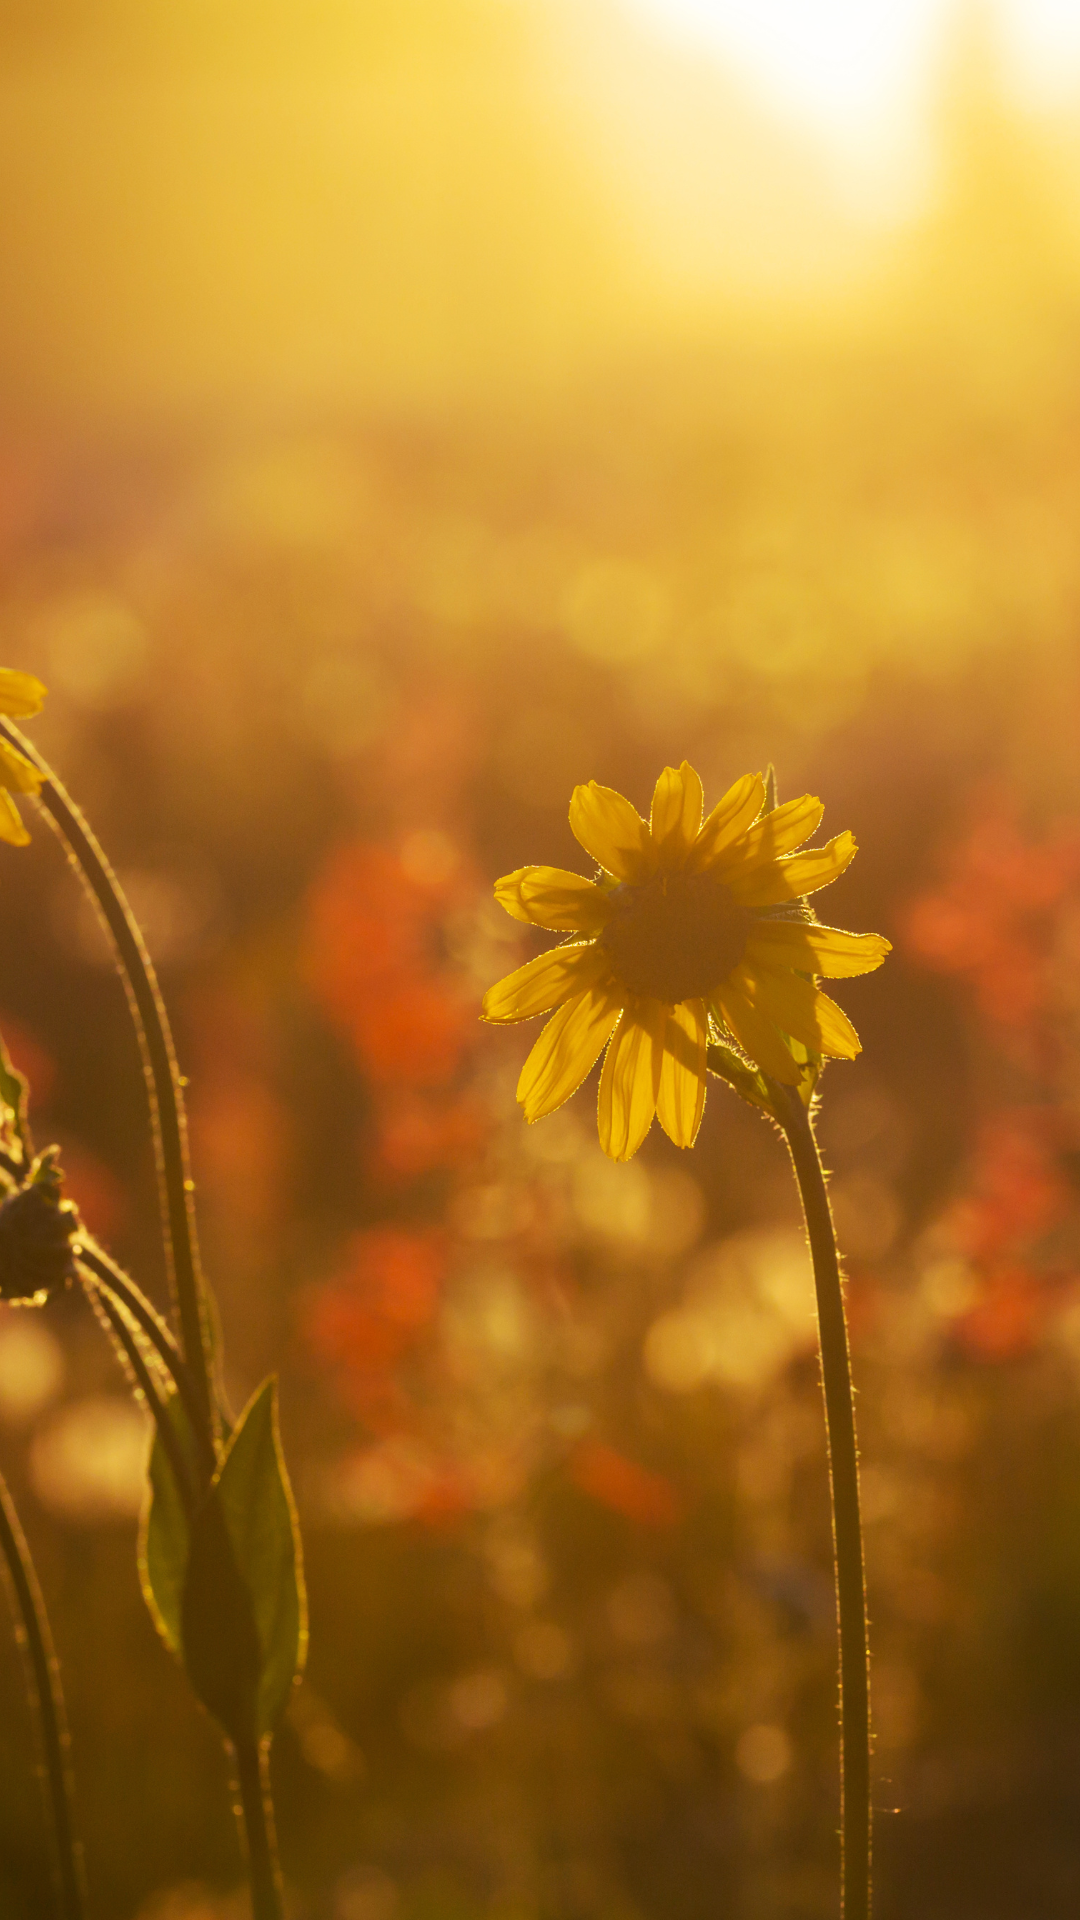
857 70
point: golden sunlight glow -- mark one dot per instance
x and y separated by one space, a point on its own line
852 68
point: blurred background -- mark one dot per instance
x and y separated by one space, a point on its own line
408 410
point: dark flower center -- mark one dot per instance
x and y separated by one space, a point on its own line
676 937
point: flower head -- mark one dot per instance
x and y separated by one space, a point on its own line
690 931
36 1230
21 695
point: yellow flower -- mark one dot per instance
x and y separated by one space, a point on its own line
688 928
21 695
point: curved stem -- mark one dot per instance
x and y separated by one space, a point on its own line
855 1813
144 1380
110 1278
256 1811
159 1060
50 1703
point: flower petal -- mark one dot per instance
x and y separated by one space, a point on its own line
779 880
729 818
801 1009
508 894
16 772
566 1051
681 1100
675 820
815 949
565 902
545 982
755 1035
630 1082
778 832
21 694
613 832
11 826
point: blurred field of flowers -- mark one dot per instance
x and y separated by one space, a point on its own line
391 440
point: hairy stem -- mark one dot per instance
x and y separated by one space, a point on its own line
127 1341
111 1278
855 1815
45 1672
256 1812
159 1060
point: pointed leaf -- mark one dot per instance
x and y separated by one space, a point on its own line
164 1533
243 1612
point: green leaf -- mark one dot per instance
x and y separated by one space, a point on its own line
164 1533
14 1096
243 1613
746 1080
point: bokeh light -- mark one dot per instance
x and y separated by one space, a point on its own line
407 412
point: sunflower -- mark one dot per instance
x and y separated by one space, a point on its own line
689 931
21 695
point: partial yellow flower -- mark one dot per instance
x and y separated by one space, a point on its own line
21 695
690 928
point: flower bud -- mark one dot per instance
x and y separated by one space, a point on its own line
36 1229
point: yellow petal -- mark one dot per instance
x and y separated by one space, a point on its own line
16 772
779 880
630 1082
613 832
545 982
567 1050
729 818
801 1009
565 902
755 1035
814 949
675 820
779 832
11 826
681 1100
21 694
508 894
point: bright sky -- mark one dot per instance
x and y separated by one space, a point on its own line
857 70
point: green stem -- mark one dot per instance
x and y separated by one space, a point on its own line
50 1703
159 1061
110 1278
256 1811
855 1814
128 1346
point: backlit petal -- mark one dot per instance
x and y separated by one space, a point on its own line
566 902
16 772
11 826
729 818
681 1100
756 1035
814 949
549 897
545 982
779 832
630 1082
508 894
801 1009
566 1051
788 879
21 694
675 820
613 832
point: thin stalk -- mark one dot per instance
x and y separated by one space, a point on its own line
159 1062
855 1813
50 1705
256 1812
110 1278
127 1341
